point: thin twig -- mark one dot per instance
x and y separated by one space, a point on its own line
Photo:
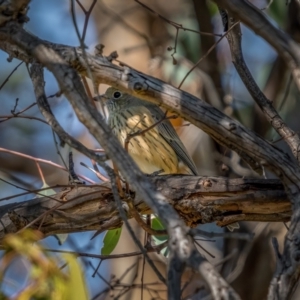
205 55
11 73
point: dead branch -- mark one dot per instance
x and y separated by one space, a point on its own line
198 200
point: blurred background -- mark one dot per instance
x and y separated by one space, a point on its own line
153 45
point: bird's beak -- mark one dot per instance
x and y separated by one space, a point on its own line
99 98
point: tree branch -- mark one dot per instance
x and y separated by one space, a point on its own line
254 18
198 200
234 38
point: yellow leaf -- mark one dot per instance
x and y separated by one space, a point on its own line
75 285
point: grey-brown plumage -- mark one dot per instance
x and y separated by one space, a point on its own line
153 150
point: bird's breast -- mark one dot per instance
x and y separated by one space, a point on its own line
142 140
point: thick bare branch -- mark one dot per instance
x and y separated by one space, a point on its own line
198 200
13 10
37 77
254 18
234 38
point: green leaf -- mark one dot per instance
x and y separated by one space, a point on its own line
110 241
159 239
165 251
156 224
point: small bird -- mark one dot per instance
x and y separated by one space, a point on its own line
149 137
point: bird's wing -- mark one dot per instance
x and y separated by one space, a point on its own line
167 131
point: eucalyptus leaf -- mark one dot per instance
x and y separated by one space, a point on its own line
159 239
75 287
156 224
110 241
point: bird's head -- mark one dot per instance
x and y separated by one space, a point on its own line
116 100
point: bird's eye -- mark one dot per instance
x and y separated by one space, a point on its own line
117 95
